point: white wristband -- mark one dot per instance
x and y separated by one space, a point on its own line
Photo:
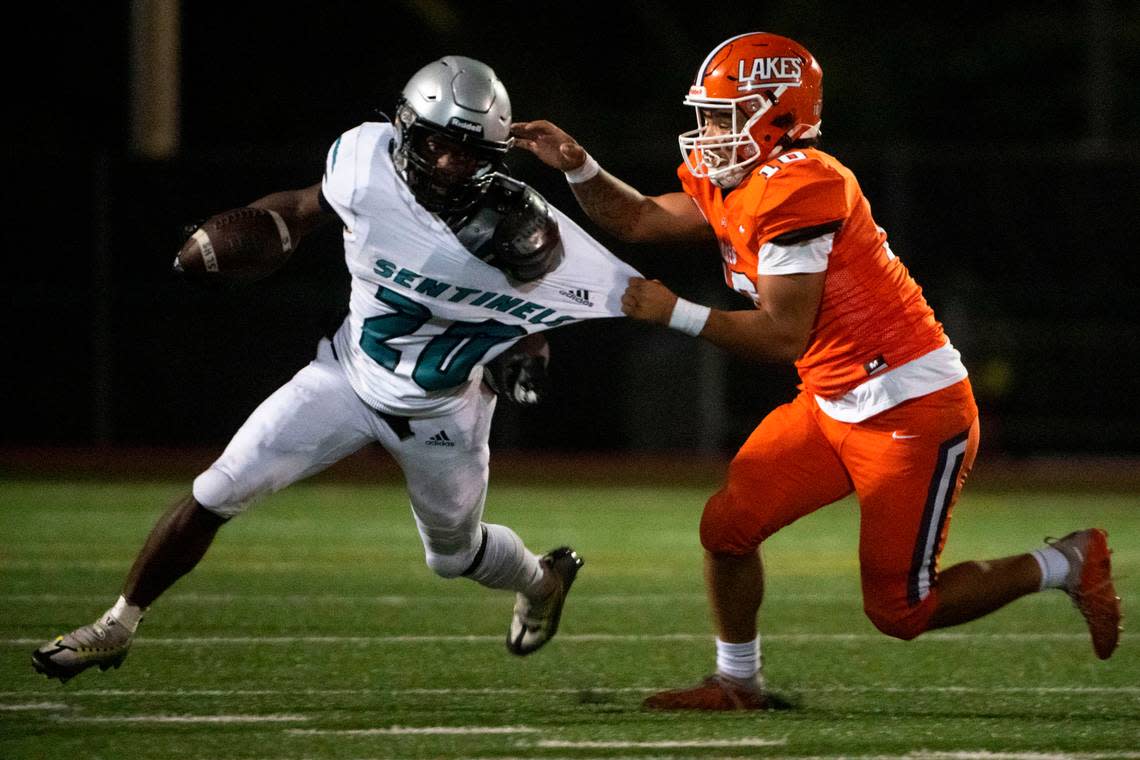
586 171
689 317
282 231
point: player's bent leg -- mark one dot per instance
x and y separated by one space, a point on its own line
970 590
446 466
310 422
500 560
175 545
445 461
1079 564
905 522
306 425
785 470
909 465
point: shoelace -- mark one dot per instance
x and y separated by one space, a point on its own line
96 634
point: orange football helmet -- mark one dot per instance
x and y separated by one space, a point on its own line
770 86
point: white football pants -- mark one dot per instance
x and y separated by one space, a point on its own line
316 419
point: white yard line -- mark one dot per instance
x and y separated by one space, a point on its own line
187 718
664 744
35 706
413 731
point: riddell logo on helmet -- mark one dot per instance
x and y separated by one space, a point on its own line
769 72
467 126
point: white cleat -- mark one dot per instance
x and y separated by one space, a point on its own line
535 622
104 643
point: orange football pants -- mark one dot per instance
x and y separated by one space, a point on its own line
906 465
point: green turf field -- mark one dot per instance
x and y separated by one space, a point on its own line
314 630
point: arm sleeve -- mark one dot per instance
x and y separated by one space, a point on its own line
799 214
805 194
803 257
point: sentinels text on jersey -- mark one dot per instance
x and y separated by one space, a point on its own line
424 313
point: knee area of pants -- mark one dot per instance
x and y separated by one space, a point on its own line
720 531
450 565
905 626
217 493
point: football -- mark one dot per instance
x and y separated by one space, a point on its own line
240 245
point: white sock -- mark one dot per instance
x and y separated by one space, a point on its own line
125 614
507 564
1054 567
738 660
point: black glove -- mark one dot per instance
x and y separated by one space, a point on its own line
189 228
518 377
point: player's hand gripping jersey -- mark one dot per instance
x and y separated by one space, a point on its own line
801 212
424 313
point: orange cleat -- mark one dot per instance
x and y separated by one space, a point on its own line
717 692
1090 586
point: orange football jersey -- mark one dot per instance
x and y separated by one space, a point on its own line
873 316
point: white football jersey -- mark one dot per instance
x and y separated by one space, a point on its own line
425 314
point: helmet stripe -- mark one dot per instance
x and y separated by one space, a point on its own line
715 50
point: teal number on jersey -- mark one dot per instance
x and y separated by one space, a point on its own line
409 317
447 359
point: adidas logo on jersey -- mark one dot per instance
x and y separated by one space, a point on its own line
578 296
440 439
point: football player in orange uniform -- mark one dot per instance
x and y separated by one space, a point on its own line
885 409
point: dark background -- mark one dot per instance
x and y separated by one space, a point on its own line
997 144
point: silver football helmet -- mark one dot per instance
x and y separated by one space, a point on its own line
453 122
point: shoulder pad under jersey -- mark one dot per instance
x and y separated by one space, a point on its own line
512 228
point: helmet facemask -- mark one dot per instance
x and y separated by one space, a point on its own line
446 168
725 157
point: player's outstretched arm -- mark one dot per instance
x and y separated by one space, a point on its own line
300 209
616 207
778 328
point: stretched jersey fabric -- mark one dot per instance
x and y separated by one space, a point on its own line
425 314
803 211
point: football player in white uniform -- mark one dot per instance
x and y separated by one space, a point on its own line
452 264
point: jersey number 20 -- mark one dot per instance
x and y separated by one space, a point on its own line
447 359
